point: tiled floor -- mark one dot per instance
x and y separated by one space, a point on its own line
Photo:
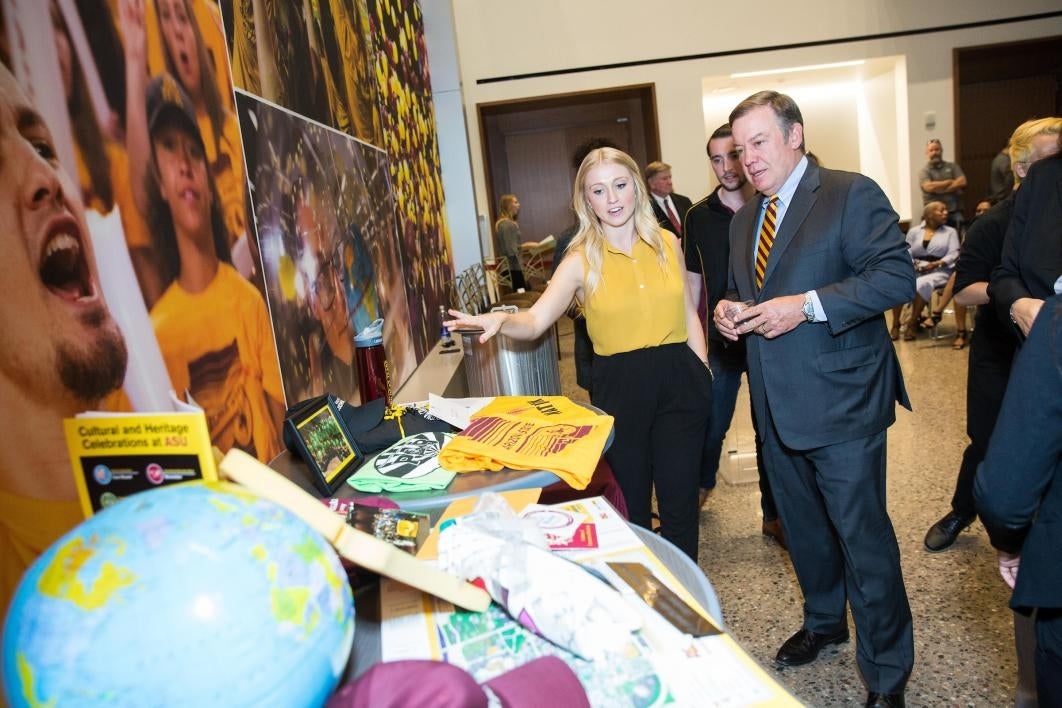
963 629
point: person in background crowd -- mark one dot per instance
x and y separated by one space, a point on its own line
331 349
650 362
934 248
707 231
1000 178
103 167
992 351
944 182
1019 492
822 257
1031 266
669 208
62 353
509 237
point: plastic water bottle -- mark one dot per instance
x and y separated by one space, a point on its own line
444 331
371 363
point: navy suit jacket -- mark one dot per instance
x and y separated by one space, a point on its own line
682 205
1032 252
1018 487
832 382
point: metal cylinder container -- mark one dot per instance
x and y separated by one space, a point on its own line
503 366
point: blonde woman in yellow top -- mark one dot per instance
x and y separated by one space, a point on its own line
650 369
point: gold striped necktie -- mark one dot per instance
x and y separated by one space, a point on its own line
763 250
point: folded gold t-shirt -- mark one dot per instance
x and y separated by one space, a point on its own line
528 433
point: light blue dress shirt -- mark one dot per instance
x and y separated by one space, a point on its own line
785 198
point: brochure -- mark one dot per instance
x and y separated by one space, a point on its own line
116 455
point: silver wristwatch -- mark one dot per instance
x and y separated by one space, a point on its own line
809 307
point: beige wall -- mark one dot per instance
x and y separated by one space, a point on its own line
499 38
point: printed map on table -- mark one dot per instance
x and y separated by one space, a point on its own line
659 665
489 644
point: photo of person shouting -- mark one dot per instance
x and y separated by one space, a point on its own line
61 352
212 325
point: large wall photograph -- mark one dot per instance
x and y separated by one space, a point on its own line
331 263
334 116
138 108
404 83
310 56
361 68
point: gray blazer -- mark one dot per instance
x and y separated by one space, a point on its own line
831 382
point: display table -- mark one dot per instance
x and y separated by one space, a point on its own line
465 484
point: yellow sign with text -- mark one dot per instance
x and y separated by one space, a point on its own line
114 456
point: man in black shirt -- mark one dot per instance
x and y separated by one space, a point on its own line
707 247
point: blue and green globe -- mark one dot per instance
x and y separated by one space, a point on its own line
200 594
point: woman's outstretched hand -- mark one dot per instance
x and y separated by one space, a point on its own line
491 322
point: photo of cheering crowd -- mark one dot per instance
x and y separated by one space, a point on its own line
331 263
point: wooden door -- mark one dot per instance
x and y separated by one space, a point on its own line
528 148
998 87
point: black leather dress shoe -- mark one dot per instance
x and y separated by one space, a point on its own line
885 700
943 533
804 646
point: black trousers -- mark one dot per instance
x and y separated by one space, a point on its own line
728 364
1049 656
583 355
986 382
831 501
661 398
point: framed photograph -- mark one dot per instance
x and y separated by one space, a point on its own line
324 443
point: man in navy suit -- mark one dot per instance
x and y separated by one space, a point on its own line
820 254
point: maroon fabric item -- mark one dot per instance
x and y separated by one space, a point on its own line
546 682
602 484
398 684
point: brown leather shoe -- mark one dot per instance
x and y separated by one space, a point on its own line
773 528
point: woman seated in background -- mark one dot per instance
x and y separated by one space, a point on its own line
650 365
934 248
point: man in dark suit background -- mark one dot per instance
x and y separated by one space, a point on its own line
1031 268
1019 491
669 208
821 255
